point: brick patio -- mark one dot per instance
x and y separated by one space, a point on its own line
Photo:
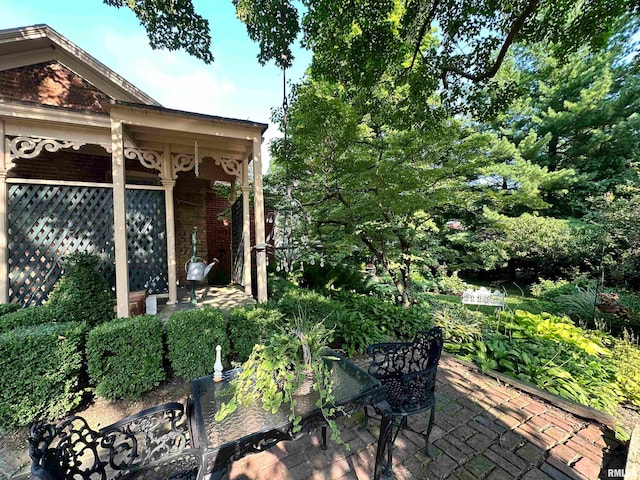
483 430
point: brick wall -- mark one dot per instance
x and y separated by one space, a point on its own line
51 83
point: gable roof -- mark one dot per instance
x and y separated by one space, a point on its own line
35 44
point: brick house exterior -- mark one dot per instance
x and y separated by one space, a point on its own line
91 162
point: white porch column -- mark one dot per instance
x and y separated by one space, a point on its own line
120 219
168 182
258 208
4 252
171 241
246 227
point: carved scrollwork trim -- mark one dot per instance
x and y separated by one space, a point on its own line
230 166
182 162
148 158
30 147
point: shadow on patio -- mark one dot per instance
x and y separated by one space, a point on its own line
483 430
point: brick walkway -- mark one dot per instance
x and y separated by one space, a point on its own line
483 430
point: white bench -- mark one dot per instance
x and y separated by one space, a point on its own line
482 296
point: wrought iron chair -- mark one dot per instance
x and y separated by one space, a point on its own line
408 372
152 444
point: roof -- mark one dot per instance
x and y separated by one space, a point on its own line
24 46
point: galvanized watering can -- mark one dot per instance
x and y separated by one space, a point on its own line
198 270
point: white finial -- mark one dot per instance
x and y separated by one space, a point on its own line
217 367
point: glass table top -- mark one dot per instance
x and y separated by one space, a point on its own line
350 383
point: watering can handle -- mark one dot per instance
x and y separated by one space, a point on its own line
186 265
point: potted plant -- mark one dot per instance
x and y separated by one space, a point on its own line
290 364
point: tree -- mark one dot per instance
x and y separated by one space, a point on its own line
368 187
578 117
172 24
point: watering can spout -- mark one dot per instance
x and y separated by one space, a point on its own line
208 268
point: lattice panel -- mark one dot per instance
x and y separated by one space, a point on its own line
146 239
237 249
47 222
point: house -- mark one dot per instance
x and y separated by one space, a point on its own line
91 163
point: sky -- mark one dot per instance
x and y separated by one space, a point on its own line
234 86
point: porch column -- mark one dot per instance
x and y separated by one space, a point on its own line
120 219
246 227
168 183
258 208
4 252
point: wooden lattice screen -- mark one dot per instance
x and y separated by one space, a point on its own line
146 239
237 249
47 222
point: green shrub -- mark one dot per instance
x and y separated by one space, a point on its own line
627 358
278 286
251 325
313 305
124 357
192 336
334 276
355 331
39 370
579 306
450 284
551 289
26 317
82 294
461 327
8 308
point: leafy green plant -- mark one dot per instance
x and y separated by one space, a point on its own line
277 368
460 325
82 294
550 289
355 331
251 325
39 371
192 336
27 317
579 305
339 276
627 358
124 356
8 308
450 284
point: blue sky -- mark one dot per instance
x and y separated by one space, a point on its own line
235 85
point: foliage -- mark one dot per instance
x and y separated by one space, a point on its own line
278 286
172 25
124 357
355 331
29 316
251 325
627 358
450 284
192 337
550 289
82 294
277 368
39 370
579 305
315 306
349 277
460 325
8 308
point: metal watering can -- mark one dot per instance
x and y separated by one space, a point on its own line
197 270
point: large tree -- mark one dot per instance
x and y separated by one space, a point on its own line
369 186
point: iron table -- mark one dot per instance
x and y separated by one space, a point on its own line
251 429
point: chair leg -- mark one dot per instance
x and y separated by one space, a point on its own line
426 437
323 445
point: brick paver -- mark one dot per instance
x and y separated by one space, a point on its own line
484 430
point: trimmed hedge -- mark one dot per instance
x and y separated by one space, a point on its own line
82 294
8 308
192 336
124 356
27 317
39 369
251 325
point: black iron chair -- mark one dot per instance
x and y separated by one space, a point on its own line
408 372
152 444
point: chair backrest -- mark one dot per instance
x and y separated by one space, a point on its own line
408 370
72 449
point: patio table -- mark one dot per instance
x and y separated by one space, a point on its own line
251 429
